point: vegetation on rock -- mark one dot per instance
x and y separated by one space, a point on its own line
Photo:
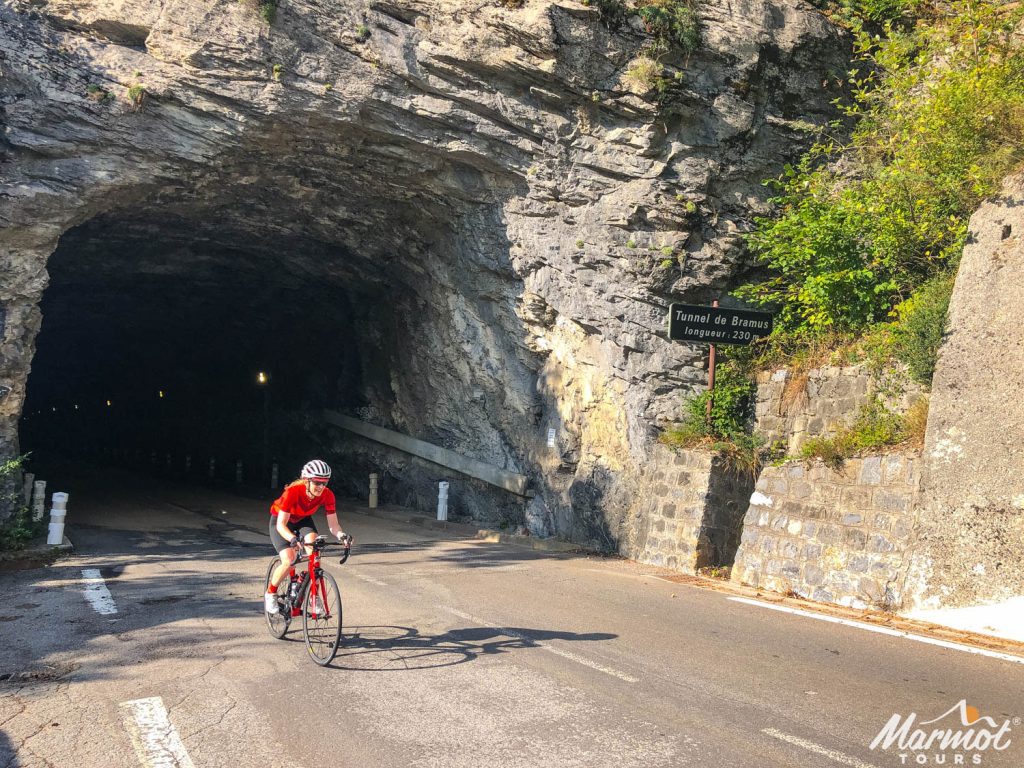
18 529
870 229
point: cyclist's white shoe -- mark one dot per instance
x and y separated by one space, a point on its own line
270 603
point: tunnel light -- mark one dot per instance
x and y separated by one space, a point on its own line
161 393
54 409
262 378
76 406
108 403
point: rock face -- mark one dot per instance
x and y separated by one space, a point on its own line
462 220
971 509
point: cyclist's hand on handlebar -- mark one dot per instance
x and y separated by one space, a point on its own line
346 539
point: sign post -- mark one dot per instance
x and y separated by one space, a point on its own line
714 325
711 378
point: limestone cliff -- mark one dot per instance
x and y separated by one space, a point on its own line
498 210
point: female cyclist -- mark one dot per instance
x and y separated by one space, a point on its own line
291 520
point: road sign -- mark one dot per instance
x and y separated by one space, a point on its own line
715 325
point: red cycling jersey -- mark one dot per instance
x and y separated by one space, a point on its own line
296 503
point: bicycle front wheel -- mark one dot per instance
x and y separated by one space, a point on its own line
321 619
278 622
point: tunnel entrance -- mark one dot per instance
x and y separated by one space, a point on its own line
391 303
159 341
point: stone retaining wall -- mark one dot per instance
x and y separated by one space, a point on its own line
829 397
690 513
832 536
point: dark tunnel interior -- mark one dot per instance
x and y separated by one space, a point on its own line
159 343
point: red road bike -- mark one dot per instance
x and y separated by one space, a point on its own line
315 598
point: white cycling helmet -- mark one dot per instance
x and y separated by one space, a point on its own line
316 470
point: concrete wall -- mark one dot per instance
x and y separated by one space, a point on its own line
832 536
971 546
690 511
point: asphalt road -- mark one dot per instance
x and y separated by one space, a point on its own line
458 653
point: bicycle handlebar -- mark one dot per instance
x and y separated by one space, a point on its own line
321 542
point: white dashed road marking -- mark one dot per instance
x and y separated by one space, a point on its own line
96 592
810 746
885 631
550 649
370 579
156 740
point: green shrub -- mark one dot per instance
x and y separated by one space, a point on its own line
672 21
644 72
613 13
268 11
136 96
362 33
880 11
730 408
18 529
96 92
920 327
875 428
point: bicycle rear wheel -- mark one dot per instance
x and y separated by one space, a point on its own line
321 619
278 622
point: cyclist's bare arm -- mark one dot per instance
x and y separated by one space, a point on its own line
282 528
332 523
282 525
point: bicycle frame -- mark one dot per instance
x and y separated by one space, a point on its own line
314 582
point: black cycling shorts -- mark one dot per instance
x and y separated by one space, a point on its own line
299 527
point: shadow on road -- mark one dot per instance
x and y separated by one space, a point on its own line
8 757
404 649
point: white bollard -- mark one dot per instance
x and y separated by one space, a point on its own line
167 462
373 490
29 479
442 500
238 471
57 512
188 463
213 467
273 476
38 499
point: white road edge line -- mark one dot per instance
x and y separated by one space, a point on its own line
156 740
885 631
96 592
550 649
831 754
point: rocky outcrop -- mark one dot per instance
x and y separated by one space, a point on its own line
971 509
494 213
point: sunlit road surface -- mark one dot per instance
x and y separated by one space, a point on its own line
148 648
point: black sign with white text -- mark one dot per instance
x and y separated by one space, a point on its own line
715 325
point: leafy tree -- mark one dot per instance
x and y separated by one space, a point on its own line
863 223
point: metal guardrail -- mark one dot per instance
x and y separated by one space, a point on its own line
502 478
